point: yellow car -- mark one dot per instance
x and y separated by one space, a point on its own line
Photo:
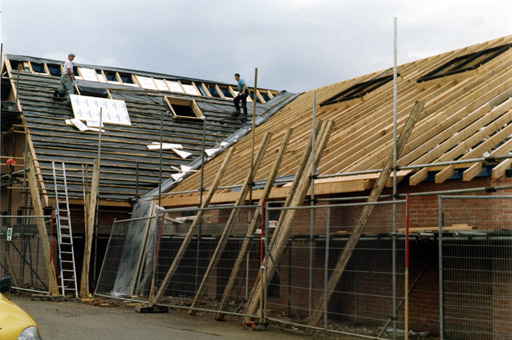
15 323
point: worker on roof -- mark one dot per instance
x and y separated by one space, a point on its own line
66 79
243 92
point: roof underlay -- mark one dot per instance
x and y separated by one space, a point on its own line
127 165
466 115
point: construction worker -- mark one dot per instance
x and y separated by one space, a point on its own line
243 92
66 79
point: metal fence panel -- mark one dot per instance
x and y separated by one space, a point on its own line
476 295
21 254
363 299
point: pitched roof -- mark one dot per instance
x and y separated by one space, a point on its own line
467 114
126 163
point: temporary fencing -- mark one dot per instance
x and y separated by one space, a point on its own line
475 267
21 254
459 281
363 298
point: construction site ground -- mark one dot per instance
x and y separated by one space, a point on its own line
73 320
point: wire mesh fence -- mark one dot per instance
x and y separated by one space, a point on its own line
475 258
459 281
21 254
362 300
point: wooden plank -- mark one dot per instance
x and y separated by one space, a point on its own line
89 228
184 245
472 172
499 170
252 226
418 177
279 241
365 214
459 227
223 240
41 227
444 174
32 150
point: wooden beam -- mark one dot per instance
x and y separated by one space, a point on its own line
499 170
287 218
472 172
418 177
33 156
444 174
223 240
365 215
89 228
53 288
184 245
252 226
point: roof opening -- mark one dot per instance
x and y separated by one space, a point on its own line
37 67
184 108
226 92
465 63
111 76
213 90
19 66
126 78
200 88
54 69
358 90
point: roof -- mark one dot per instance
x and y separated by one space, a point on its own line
127 165
467 114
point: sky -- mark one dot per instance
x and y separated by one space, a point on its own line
297 45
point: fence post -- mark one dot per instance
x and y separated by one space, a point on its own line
326 267
440 254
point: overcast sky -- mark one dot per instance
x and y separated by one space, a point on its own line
297 45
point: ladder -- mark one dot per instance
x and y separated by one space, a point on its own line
65 236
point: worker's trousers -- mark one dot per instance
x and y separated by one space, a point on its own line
243 98
66 85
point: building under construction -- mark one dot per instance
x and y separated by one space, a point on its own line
366 207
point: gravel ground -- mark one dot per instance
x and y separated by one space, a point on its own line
71 320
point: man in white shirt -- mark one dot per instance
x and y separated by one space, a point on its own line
66 79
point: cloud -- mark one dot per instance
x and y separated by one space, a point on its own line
296 44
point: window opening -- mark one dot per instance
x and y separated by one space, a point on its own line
226 92
126 78
358 90
184 108
38 68
213 90
54 69
101 76
465 63
111 76
200 88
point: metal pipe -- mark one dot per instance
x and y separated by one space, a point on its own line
440 259
395 156
326 265
160 158
336 205
201 191
97 199
30 290
406 283
312 211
